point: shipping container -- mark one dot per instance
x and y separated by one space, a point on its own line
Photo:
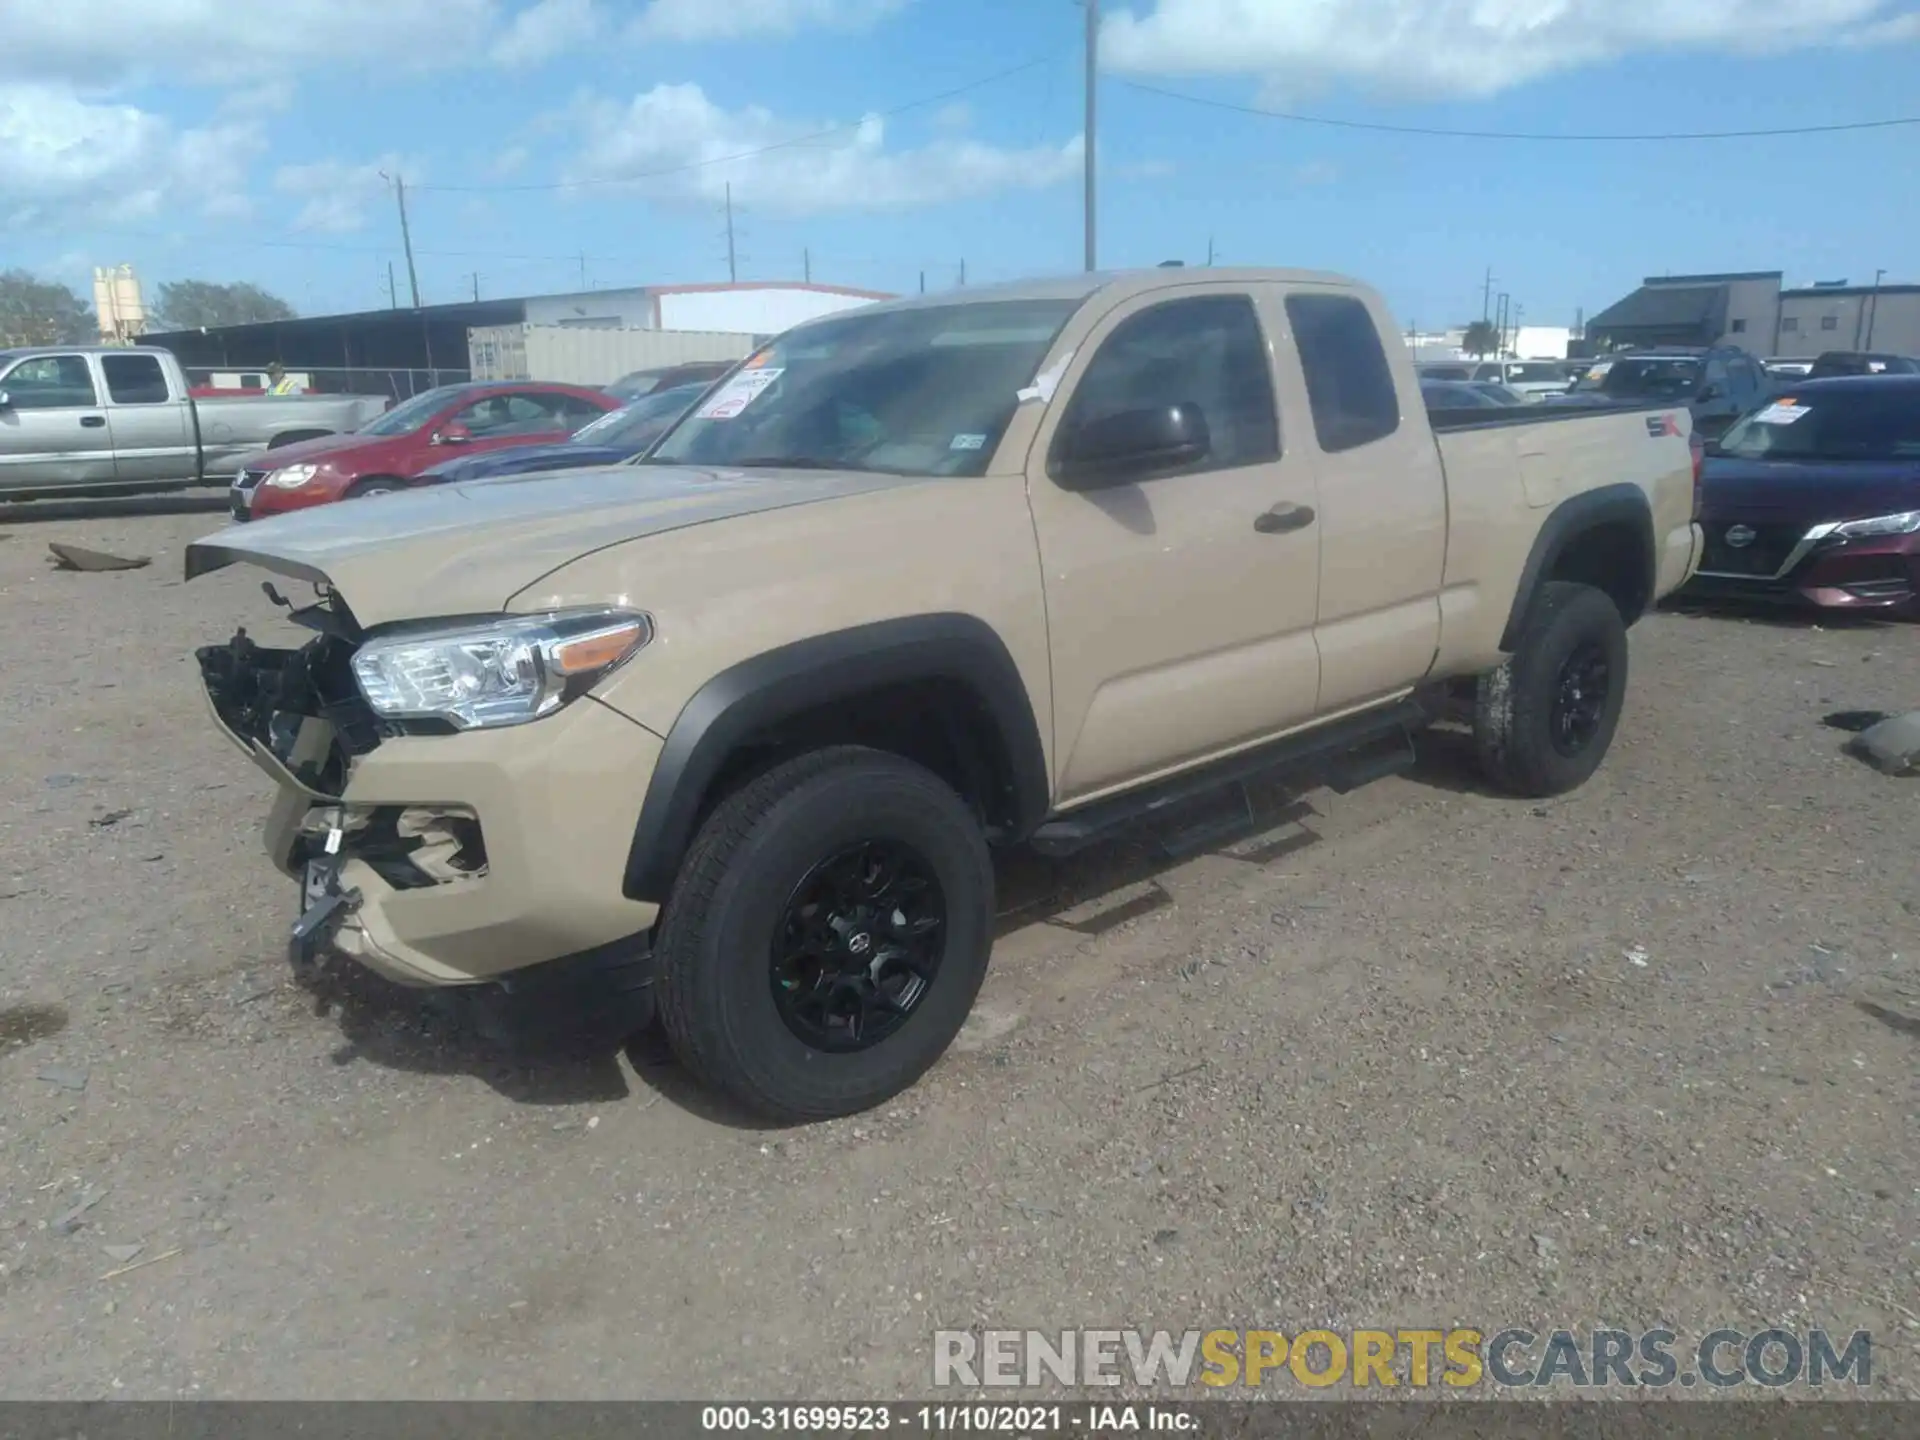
581 356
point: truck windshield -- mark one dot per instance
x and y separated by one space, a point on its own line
409 415
919 391
1838 425
1651 378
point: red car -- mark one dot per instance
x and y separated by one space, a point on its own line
389 453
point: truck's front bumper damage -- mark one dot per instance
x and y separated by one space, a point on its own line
441 859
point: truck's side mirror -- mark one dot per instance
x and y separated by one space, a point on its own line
1713 390
454 434
1117 448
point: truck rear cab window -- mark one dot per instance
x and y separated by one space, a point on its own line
50 382
1206 351
135 379
1348 383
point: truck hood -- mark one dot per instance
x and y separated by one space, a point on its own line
468 548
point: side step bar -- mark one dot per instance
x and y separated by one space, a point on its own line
1344 755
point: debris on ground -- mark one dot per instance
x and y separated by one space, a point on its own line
142 1264
78 557
1893 746
67 1077
112 817
61 782
1637 957
71 1220
122 1253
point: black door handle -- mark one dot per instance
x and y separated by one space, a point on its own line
1283 517
93 422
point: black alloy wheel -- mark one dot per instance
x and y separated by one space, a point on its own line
1580 698
858 946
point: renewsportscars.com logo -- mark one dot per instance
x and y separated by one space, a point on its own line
1460 1358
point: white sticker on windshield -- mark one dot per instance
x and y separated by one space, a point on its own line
968 442
1046 382
1784 413
738 393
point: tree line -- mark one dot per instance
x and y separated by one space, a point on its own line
45 312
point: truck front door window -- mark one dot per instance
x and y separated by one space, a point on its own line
1349 386
1205 352
50 382
135 379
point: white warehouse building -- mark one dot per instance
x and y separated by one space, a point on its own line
751 307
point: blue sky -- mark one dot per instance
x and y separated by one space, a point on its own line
232 140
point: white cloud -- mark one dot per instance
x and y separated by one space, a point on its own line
65 160
1467 47
107 43
545 30
756 19
677 129
338 195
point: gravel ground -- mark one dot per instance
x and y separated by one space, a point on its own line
1417 1055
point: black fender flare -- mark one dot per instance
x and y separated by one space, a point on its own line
779 683
1605 505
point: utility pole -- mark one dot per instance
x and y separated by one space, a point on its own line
1209 251
806 266
1092 86
583 269
1486 296
393 296
733 272
1518 311
406 235
476 287
963 271
1500 322
1873 306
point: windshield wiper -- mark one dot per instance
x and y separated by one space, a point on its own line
790 462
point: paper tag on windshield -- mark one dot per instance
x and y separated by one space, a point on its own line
1783 412
1046 382
738 393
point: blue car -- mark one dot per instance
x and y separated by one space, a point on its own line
619 435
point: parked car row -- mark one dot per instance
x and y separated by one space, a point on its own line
396 450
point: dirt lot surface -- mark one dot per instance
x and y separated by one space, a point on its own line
1417 1055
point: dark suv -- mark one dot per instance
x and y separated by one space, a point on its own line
1718 384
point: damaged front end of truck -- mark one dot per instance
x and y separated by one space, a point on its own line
298 714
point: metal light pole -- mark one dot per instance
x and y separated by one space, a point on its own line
1092 85
1873 306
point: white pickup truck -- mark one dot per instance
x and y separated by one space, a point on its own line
113 418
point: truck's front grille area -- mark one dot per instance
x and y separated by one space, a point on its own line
1761 557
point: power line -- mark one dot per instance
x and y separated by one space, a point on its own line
793 143
1519 134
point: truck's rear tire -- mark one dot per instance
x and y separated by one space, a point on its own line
1543 721
826 934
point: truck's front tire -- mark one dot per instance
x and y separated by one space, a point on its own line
826 934
1543 721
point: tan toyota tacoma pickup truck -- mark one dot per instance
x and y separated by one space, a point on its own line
736 729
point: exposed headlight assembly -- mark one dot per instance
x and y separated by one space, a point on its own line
1907 522
292 477
504 672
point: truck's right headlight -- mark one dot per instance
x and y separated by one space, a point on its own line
506 672
292 477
